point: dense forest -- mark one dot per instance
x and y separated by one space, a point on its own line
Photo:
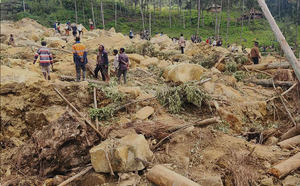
236 21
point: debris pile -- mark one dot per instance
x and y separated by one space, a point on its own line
207 117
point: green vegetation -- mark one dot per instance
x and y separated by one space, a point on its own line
115 97
47 12
175 98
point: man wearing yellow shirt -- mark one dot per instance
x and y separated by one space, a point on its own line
80 59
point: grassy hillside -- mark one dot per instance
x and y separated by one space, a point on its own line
129 18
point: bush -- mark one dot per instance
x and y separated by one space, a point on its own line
177 97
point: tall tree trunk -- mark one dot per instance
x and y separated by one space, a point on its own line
170 18
154 11
160 4
150 24
83 14
216 23
102 14
281 39
141 9
198 20
183 18
242 27
279 9
76 18
24 7
191 13
116 15
202 11
297 22
220 19
228 19
93 14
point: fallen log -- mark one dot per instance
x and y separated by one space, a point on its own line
163 176
285 167
70 78
268 66
290 133
290 143
175 130
269 82
79 114
66 182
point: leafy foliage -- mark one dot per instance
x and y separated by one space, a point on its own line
177 97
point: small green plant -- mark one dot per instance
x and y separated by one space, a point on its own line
231 67
102 113
239 75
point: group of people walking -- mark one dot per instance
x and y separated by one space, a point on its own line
76 29
121 61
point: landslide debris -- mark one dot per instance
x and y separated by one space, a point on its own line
44 142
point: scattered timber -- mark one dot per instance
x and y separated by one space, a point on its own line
268 66
66 182
79 114
291 133
290 143
285 167
163 176
269 82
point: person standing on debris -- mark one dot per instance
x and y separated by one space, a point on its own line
54 25
102 64
45 60
91 25
254 53
80 32
182 43
130 34
116 61
11 40
58 27
74 28
123 65
80 59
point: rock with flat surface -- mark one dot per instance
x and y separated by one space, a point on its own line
267 182
183 72
211 181
291 181
144 113
124 154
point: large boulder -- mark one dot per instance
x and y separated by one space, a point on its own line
183 72
55 42
125 154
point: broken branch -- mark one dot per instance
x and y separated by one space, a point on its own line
76 176
79 114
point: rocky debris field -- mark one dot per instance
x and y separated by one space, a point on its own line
206 117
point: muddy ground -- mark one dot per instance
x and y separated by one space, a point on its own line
44 142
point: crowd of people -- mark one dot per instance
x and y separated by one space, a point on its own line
121 60
76 29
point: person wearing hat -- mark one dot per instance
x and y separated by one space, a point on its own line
254 53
